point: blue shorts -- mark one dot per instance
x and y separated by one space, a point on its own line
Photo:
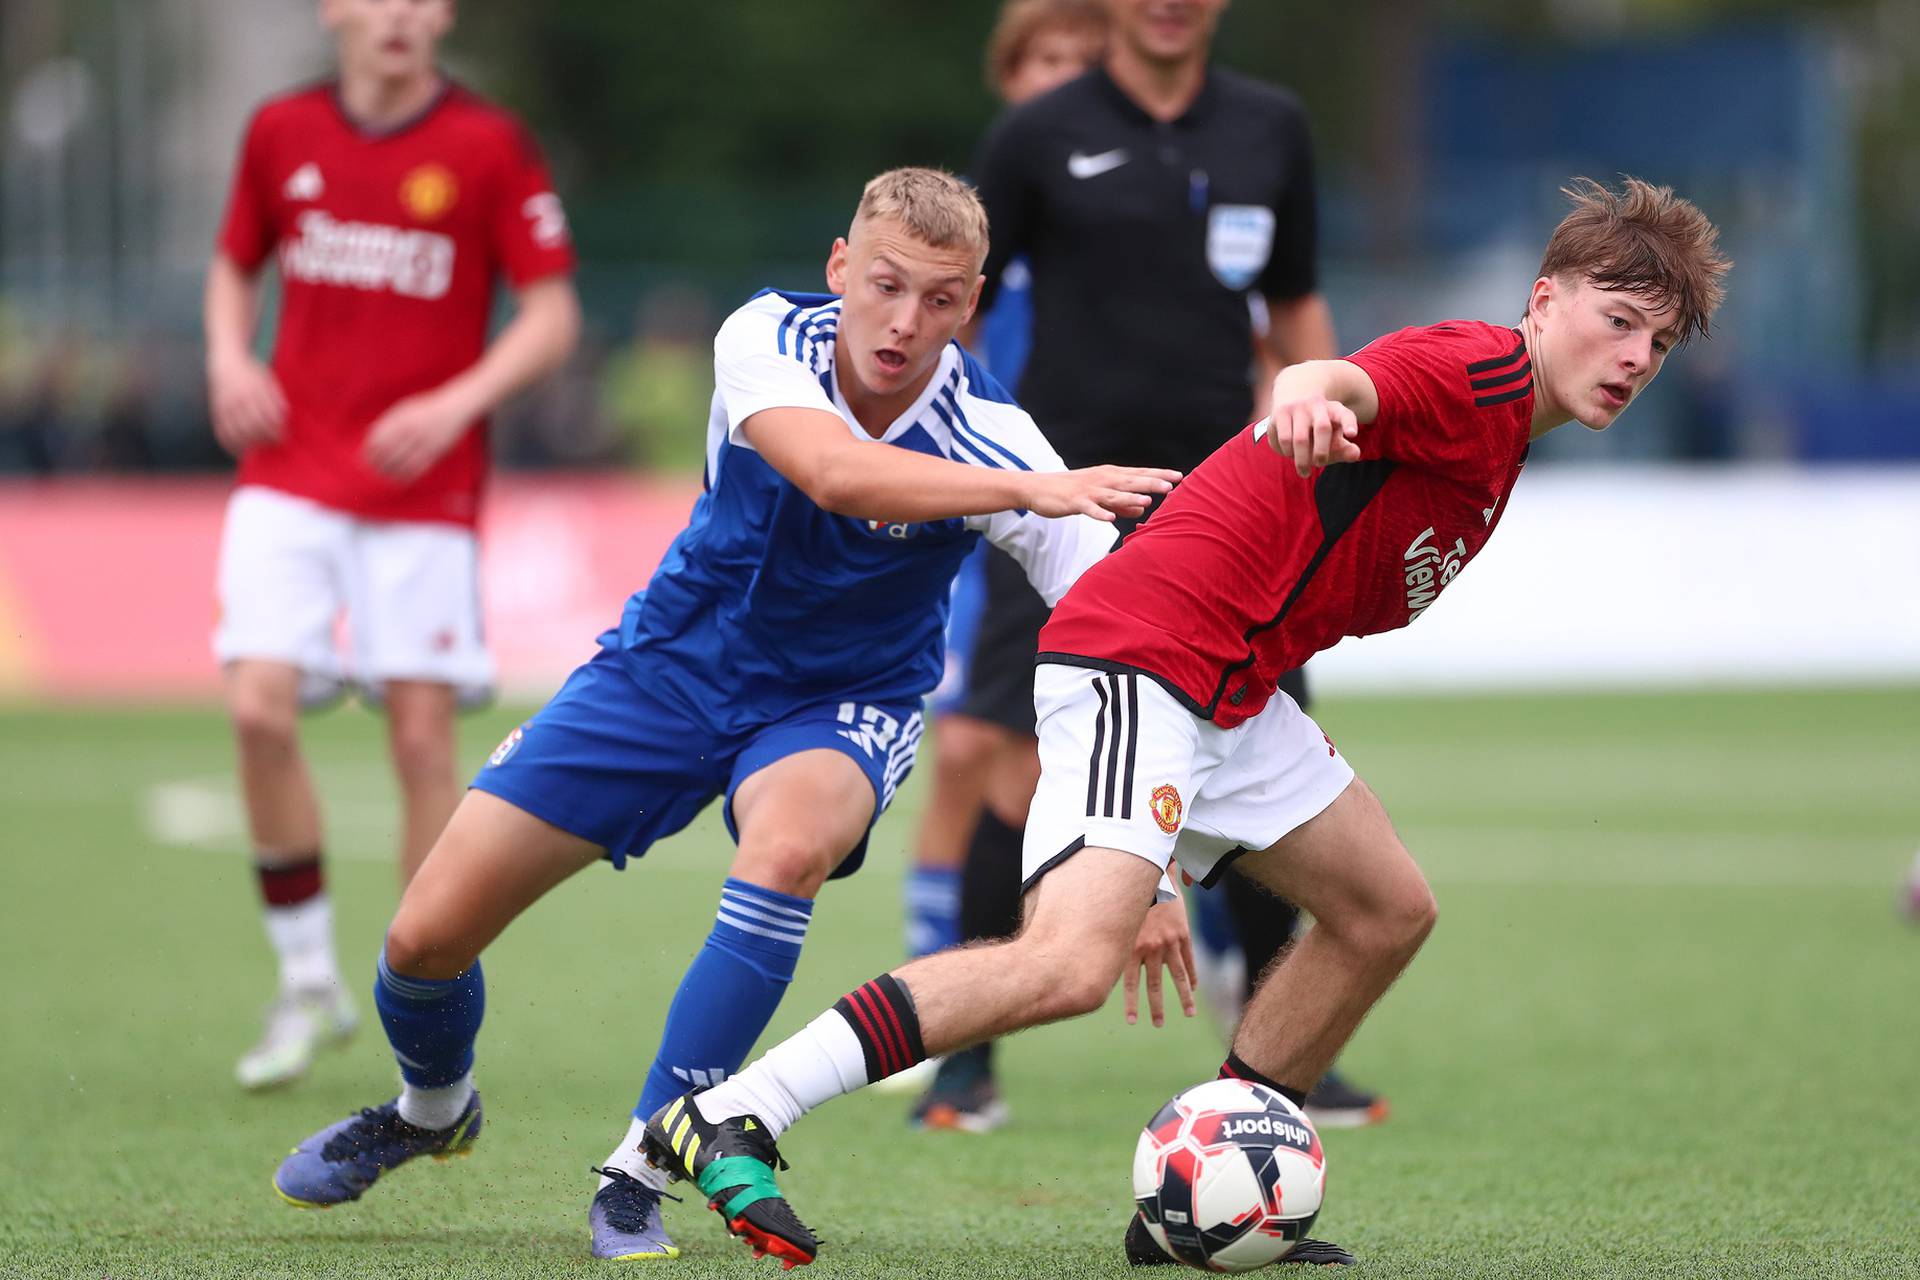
968 601
614 763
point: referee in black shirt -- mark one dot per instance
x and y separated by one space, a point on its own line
1167 210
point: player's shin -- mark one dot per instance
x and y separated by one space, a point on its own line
869 1034
432 1024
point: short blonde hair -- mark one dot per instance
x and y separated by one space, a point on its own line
1021 20
932 204
1642 240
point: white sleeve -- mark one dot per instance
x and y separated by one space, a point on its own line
751 373
1054 552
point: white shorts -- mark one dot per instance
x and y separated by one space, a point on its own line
410 590
1125 766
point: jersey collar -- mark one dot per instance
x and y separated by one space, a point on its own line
1197 110
943 374
434 103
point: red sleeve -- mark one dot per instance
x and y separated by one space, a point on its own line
247 234
1435 412
529 225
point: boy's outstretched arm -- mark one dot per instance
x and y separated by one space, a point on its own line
850 477
1318 409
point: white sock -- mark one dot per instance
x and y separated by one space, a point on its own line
820 1061
631 1158
302 937
435 1108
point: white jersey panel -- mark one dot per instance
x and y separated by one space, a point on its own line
764 357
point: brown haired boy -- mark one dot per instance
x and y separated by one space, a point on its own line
1163 737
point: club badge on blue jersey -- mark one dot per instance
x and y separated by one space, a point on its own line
508 745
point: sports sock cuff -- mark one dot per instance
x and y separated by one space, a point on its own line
286 883
887 1025
420 990
1236 1068
764 918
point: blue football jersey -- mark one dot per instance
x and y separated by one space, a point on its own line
766 600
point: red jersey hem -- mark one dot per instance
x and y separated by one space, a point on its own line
395 512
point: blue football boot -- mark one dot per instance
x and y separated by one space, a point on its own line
341 1161
625 1220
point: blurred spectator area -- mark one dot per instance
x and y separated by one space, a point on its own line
702 163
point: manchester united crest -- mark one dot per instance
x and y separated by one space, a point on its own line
428 192
1166 807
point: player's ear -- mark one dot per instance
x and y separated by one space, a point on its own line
837 266
1545 290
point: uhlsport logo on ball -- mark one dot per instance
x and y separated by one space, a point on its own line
1228 1176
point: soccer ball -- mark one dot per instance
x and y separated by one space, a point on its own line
1228 1176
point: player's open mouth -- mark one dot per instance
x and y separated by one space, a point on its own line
890 360
1615 394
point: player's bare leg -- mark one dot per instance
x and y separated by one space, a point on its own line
263 704
797 819
311 1009
420 738
492 862
1372 909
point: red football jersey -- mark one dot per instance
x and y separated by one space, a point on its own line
1248 568
389 247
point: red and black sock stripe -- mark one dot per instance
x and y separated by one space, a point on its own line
883 1018
290 883
1236 1068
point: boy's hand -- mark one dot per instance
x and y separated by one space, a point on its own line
1104 493
414 433
248 406
1164 941
1313 431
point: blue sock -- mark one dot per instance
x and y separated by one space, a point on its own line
729 993
933 909
1213 927
431 1022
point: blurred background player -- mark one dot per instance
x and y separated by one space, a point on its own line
1163 186
776 661
1036 45
394 201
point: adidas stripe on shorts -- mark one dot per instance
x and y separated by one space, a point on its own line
1123 765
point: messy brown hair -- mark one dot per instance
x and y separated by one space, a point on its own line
1021 20
935 207
1642 240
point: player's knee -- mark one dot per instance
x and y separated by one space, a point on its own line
1399 919
1085 991
786 864
263 724
961 752
417 948
422 753
1069 974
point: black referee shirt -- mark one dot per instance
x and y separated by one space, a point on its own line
1144 239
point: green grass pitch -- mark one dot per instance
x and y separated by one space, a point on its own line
1669 1024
